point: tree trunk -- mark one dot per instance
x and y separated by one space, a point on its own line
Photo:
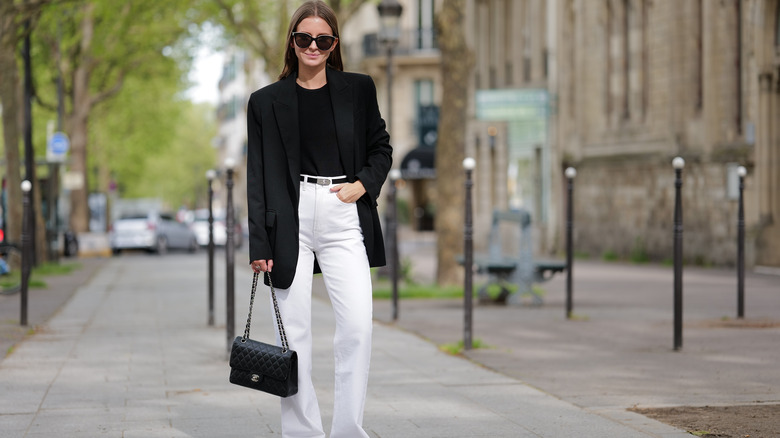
9 87
78 124
456 62
78 121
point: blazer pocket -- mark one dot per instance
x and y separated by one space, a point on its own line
270 228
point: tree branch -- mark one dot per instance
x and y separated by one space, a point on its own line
116 88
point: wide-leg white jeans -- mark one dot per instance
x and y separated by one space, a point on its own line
329 229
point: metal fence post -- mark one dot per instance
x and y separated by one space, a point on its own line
210 175
468 253
570 174
678 163
229 256
741 172
395 175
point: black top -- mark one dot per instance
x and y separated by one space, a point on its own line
319 146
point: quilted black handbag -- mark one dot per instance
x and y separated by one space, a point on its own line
261 366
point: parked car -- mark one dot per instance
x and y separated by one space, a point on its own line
200 225
153 232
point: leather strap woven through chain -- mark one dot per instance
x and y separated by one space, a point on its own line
279 324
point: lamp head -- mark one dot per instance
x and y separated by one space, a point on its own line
389 15
570 172
26 186
395 174
741 171
211 174
230 163
469 163
678 163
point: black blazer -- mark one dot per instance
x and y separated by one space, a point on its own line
273 166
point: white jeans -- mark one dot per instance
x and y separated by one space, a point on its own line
330 229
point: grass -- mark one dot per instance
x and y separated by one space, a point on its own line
609 256
457 347
382 290
578 317
581 255
36 281
56 268
418 291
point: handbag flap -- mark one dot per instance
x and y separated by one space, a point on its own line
261 358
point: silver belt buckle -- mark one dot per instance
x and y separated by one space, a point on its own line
323 181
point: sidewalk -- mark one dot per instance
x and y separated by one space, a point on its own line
42 304
130 355
617 352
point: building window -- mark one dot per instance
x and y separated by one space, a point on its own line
425 38
626 46
626 51
510 44
527 40
699 29
777 27
608 54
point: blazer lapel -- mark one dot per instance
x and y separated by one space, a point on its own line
286 113
341 99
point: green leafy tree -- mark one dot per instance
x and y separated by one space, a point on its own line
102 44
152 143
13 16
261 25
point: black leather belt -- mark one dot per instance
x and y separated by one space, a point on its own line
323 181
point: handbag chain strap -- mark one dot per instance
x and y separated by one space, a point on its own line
279 324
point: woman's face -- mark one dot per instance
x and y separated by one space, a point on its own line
312 56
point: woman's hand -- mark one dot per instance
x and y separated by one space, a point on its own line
349 192
262 265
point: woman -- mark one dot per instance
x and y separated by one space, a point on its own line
318 154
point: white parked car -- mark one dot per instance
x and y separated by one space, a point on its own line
153 232
200 225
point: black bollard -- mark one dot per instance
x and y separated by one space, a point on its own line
210 175
678 163
570 174
741 171
27 255
392 224
229 256
468 262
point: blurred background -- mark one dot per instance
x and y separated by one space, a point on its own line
115 108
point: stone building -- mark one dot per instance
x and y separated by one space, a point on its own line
410 100
628 85
241 75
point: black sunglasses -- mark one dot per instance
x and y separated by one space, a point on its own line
303 40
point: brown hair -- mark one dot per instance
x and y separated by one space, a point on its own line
319 9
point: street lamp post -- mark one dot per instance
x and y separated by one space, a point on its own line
678 163
741 172
392 225
210 175
468 257
29 152
570 174
27 255
229 255
389 34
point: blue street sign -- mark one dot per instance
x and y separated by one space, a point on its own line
58 146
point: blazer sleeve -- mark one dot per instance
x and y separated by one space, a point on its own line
259 245
379 153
